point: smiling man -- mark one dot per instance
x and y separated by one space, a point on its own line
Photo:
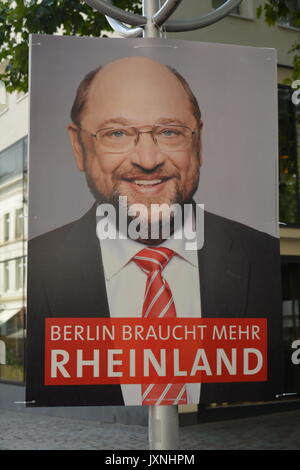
136 133
146 129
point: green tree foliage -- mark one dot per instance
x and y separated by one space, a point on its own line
20 18
279 10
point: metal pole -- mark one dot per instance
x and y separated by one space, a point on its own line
163 428
163 422
150 7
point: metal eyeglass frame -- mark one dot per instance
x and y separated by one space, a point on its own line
137 131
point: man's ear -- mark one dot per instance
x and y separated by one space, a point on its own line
76 146
200 142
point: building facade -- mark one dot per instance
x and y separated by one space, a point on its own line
13 233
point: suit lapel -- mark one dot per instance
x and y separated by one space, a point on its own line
84 268
223 268
93 272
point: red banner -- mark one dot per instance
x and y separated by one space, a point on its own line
90 351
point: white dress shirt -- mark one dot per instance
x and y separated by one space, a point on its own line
125 287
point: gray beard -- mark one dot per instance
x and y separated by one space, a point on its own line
173 221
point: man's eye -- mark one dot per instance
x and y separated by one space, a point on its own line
169 132
117 133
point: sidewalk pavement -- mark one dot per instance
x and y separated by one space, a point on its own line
24 431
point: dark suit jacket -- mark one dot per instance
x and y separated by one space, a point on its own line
239 277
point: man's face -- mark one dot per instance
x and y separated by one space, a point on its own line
141 93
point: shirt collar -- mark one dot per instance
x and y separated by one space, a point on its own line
117 253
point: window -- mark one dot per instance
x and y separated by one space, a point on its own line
12 318
12 334
13 161
289 157
20 272
6 276
293 18
6 227
218 3
244 9
3 98
19 223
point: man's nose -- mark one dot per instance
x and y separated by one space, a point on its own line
146 152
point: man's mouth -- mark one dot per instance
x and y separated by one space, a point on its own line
148 185
148 182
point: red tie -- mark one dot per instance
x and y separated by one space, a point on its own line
158 303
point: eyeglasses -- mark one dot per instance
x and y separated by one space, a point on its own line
169 138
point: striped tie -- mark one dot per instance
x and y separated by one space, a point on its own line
158 303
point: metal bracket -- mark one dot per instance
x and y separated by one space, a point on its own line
203 21
158 18
287 394
24 402
117 13
117 17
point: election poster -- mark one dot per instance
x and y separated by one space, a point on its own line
153 257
